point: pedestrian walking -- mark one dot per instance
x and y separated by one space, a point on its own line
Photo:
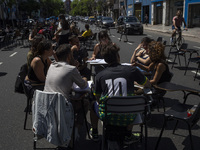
124 32
146 19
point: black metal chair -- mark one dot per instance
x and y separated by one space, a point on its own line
2 43
28 91
81 97
158 94
179 52
92 39
125 105
194 60
179 113
53 119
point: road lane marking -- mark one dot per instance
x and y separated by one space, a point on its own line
149 35
197 47
195 72
169 60
113 36
129 43
1 63
13 54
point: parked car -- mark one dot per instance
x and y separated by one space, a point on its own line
99 18
31 21
86 19
107 22
92 19
131 23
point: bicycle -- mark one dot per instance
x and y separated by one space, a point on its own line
177 41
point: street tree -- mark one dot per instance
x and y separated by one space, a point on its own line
8 5
29 6
51 7
82 7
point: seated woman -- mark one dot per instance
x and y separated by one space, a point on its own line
31 54
104 39
39 65
74 30
141 52
158 65
32 34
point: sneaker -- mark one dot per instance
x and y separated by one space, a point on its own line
135 137
94 136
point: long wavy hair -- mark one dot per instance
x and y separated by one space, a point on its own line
156 51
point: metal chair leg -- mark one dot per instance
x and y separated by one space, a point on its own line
145 136
169 52
174 61
163 103
103 138
190 134
179 59
175 126
82 103
187 67
185 59
34 143
165 122
26 115
197 71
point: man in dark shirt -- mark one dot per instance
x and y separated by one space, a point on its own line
115 80
80 54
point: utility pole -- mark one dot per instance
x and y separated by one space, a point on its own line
125 8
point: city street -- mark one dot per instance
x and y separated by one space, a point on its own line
14 137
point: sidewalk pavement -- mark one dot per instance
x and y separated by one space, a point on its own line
191 32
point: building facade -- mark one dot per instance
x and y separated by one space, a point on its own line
192 13
162 11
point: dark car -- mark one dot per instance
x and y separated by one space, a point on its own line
107 22
92 20
131 23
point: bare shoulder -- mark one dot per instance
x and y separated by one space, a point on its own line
161 66
97 45
36 60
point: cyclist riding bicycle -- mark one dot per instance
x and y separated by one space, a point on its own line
177 23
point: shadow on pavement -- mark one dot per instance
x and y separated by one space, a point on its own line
187 143
3 74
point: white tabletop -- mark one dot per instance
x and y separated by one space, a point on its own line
97 62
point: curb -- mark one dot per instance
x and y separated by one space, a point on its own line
165 31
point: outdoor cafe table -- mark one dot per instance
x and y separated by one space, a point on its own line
168 86
99 62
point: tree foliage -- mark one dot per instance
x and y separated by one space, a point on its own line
47 7
29 6
8 4
83 7
52 7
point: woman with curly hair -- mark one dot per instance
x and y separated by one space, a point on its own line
158 65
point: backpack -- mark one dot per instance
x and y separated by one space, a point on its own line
20 78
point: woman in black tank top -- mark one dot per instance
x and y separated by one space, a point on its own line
104 39
40 64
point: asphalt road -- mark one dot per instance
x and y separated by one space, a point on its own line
14 137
